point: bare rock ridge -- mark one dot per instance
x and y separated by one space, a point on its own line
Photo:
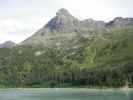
120 22
62 22
7 44
64 27
63 13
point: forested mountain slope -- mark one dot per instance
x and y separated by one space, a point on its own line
68 52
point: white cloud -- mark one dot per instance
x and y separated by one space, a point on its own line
17 29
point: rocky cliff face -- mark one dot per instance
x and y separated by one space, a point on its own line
64 30
63 22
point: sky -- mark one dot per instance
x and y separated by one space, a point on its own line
19 19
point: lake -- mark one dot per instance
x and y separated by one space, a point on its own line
65 94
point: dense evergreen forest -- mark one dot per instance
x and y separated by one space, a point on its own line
106 60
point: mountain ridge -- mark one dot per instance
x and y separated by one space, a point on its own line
7 44
68 26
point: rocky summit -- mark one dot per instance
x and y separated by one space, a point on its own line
65 28
62 22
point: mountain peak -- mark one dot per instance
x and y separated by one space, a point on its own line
63 27
63 12
118 18
7 44
62 22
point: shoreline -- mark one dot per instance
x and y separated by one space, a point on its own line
20 88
